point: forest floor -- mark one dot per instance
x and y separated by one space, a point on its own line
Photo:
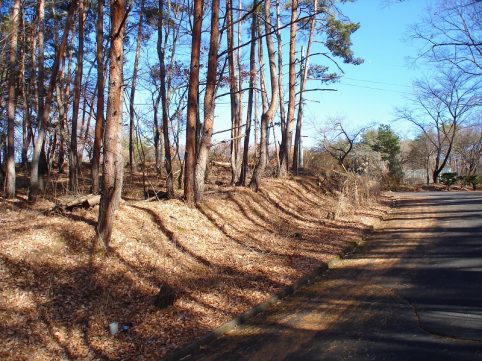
59 291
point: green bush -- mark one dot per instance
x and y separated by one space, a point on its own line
449 179
473 180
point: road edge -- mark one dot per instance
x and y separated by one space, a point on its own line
184 352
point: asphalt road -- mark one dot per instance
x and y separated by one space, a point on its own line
413 292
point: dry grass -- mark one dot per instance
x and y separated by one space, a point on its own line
59 292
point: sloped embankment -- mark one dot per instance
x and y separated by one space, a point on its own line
59 293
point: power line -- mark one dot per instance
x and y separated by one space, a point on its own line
374 88
377 82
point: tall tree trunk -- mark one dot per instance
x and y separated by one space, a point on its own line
34 177
262 85
40 62
239 155
99 117
252 76
51 149
62 91
199 128
157 133
113 169
86 114
10 174
41 100
73 153
209 103
33 85
256 125
63 94
267 116
304 68
299 119
436 166
234 93
132 128
280 66
275 142
192 106
25 95
287 135
427 169
164 102
87 126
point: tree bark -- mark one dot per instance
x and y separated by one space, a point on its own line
280 66
164 103
99 117
192 106
234 93
252 75
132 128
34 177
83 202
267 116
209 103
113 168
304 67
287 135
157 132
427 168
256 125
262 85
86 129
26 119
33 86
10 169
63 93
40 63
239 155
73 153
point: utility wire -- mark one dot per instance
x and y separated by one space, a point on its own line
377 82
374 88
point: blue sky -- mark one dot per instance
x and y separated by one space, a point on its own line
369 93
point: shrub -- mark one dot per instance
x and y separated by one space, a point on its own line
449 179
473 180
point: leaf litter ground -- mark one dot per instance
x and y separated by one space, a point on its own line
59 291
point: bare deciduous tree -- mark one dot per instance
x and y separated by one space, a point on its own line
452 34
468 148
440 107
338 141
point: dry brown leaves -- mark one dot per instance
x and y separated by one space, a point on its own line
59 292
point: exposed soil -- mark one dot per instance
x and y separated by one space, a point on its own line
60 291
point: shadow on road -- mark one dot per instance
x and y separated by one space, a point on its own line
411 293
